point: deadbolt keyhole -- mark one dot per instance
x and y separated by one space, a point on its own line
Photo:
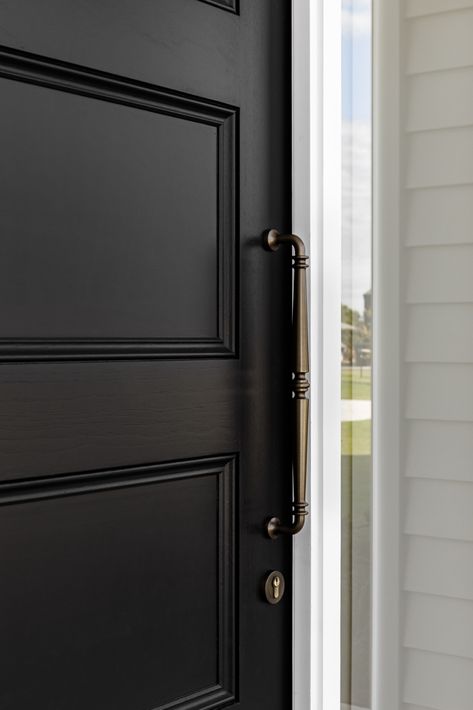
274 587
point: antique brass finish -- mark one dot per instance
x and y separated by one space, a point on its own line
300 384
274 587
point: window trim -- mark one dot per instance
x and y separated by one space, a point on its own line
317 191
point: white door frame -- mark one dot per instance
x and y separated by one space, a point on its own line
387 103
317 167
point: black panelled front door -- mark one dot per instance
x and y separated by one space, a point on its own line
144 369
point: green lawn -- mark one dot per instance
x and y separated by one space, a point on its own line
356 438
356 383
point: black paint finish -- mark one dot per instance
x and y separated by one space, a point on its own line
100 538
114 218
144 374
231 5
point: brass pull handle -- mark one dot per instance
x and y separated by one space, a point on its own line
300 384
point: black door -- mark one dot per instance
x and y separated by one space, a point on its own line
145 377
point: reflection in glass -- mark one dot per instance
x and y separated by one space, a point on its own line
356 464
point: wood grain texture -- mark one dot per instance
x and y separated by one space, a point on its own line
208 64
98 545
139 276
127 582
230 5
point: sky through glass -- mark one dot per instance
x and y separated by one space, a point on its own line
356 69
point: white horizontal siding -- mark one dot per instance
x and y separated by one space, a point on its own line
440 41
440 158
440 216
439 509
439 333
440 450
439 624
441 567
442 392
440 100
415 8
437 304
437 681
440 274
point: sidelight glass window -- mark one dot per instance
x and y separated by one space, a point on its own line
356 356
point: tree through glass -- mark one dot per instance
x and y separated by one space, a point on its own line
356 464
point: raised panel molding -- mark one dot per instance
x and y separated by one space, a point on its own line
224 469
230 5
39 71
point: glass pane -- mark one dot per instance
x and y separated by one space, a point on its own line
356 464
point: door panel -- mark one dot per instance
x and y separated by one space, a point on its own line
145 375
120 184
102 543
108 206
79 418
185 45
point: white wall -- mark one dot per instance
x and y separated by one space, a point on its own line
426 645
